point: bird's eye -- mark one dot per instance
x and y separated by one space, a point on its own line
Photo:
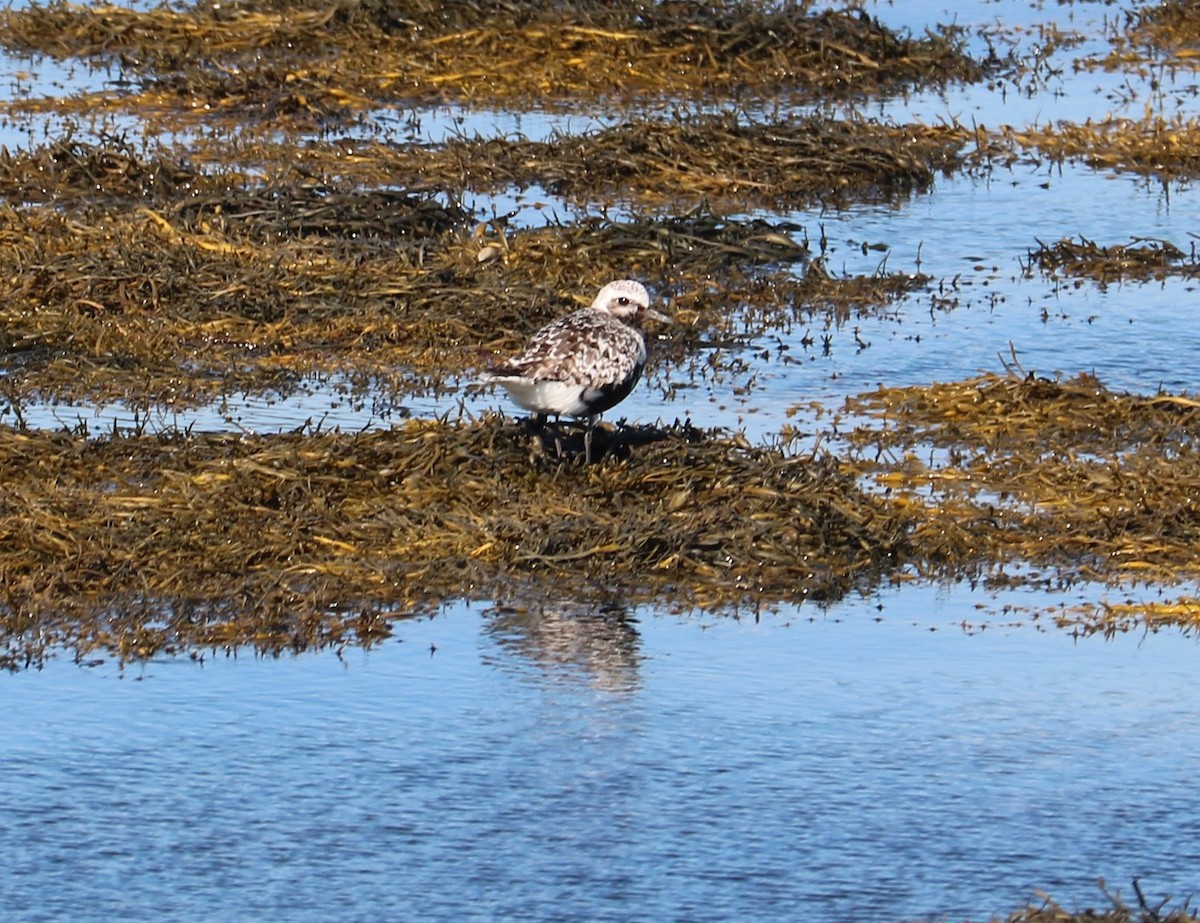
623 301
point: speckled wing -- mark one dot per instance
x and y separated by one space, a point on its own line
587 348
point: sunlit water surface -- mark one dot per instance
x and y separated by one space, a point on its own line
483 765
908 755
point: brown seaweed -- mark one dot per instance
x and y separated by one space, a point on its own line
291 63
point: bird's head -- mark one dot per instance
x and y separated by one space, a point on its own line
627 301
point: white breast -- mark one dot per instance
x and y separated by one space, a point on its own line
544 396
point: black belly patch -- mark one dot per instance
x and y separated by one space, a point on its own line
609 395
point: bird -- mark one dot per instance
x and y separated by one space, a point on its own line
584 363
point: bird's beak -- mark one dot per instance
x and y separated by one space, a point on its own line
658 316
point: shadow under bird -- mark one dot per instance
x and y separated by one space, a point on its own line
585 363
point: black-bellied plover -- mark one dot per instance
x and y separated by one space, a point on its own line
585 363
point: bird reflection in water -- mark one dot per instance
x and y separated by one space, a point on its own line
596 644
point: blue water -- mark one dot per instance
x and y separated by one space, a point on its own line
637 766
922 753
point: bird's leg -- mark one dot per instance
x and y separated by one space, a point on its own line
536 425
558 434
587 438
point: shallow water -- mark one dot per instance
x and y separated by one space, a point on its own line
945 761
487 766
971 234
974 235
